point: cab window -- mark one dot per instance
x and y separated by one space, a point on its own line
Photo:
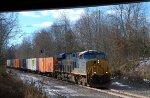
101 56
81 57
89 55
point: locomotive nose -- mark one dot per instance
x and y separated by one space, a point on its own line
100 80
98 72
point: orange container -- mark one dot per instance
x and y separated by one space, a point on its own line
47 64
16 63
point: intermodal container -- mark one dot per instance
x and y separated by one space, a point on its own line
12 63
32 64
8 63
23 64
47 64
16 63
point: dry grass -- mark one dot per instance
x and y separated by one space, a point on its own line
145 71
132 71
10 88
14 88
32 92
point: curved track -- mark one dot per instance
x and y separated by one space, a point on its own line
117 93
113 92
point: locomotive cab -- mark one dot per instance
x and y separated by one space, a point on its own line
97 69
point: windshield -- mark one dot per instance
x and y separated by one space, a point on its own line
101 56
94 55
89 56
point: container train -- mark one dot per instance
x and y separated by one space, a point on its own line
85 68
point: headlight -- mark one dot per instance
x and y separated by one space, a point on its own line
98 61
106 72
94 72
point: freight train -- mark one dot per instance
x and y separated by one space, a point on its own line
85 68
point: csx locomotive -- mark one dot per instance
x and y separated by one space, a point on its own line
85 68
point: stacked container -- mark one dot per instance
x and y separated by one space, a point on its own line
32 64
8 63
12 63
47 64
16 63
23 64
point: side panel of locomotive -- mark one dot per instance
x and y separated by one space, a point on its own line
64 63
80 68
67 63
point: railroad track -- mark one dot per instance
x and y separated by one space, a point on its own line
117 93
113 92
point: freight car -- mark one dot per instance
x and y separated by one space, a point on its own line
47 66
23 65
32 64
86 67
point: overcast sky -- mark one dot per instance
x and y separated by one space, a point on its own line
30 21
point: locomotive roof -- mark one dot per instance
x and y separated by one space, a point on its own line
80 53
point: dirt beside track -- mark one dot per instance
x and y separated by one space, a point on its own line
137 87
61 89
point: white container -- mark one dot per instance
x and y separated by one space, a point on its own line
28 64
8 63
32 64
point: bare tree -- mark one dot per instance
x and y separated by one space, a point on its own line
127 31
93 31
25 49
64 37
83 27
8 22
43 43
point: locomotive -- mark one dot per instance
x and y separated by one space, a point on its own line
85 68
